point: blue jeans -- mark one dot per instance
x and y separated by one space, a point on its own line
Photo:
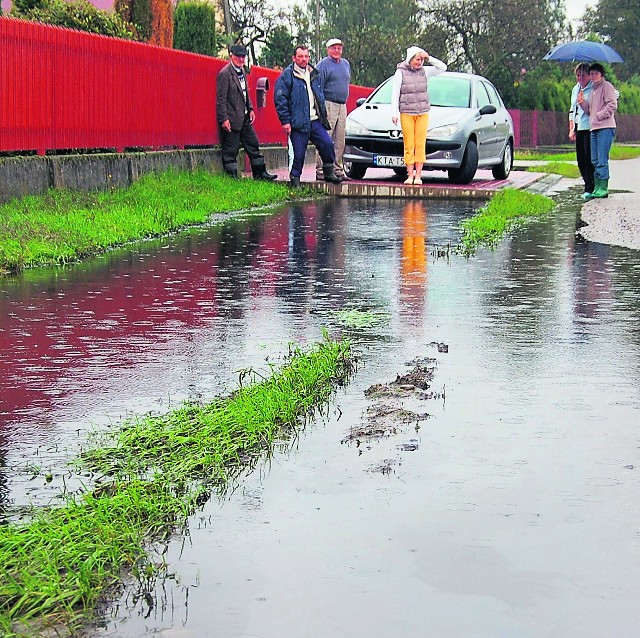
601 141
319 138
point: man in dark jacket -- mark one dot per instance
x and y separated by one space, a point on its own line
300 105
235 115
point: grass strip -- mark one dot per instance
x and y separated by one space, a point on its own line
566 169
59 566
63 225
618 152
507 209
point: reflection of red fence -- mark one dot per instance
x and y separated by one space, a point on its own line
63 89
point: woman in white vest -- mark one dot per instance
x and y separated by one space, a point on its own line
410 104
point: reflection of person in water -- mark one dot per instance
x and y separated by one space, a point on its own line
592 283
413 268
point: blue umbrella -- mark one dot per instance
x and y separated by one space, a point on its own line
583 51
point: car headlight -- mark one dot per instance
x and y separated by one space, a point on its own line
353 128
443 131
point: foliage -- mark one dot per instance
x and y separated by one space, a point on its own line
137 13
76 14
195 27
161 23
251 22
506 210
278 48
66 225
498 40
616 22
376 33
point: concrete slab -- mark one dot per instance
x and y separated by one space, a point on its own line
385 183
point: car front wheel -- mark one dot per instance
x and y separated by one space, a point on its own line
355 171
502 170
464 174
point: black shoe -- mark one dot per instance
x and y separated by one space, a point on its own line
330 174
294 181
268 177
231 170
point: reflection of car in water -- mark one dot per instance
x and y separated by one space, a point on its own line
469 128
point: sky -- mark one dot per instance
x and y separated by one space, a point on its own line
575 9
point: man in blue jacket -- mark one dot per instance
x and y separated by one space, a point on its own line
300 105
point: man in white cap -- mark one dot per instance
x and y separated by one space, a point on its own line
335 74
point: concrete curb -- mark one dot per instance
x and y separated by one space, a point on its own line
34 175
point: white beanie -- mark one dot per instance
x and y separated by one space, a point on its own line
413 51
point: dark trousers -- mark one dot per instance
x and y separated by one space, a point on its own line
319 137
231 142
583 155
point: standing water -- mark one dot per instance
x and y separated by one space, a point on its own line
502 501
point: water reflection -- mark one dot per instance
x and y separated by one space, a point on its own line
533 449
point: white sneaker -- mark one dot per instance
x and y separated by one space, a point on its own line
409 180
417 181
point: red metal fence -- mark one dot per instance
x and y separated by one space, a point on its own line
64 89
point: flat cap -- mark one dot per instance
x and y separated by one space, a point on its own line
238 49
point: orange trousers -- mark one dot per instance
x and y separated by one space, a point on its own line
414 132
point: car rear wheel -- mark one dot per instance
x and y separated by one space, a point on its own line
502 170
464 174
355 171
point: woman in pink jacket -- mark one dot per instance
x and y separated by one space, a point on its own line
600 106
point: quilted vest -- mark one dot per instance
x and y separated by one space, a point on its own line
414 99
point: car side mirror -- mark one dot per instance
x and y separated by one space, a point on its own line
360 101
489 109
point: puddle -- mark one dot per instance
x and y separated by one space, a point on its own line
487 486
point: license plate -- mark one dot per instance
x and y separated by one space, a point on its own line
387 160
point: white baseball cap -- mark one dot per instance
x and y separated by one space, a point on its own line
333 41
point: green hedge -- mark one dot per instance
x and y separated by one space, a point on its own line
194 27
79 14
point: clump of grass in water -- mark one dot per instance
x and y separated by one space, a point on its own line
61 565
506 209
359 318
63 226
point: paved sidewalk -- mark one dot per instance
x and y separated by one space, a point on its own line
616 220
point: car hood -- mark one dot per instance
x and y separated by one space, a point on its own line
379 118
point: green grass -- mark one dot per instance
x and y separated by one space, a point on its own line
618 152
63 563
507 209
63 226
559 168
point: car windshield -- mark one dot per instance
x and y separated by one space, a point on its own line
444 90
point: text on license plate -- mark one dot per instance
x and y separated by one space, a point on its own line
388 160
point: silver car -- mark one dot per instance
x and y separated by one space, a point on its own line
469 128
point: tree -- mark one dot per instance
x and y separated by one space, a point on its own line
499 40
251 22
278 48
376 33
616 22
195 28
161 23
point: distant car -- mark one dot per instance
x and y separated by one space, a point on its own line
469 128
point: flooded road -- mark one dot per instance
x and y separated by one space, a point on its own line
511 510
